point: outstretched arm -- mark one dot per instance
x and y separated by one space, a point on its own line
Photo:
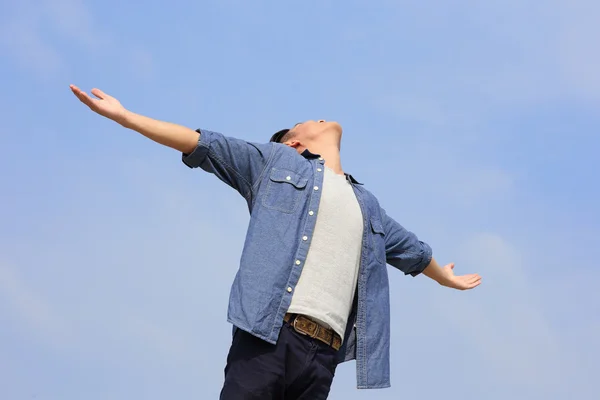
407 253
445 276
168 134
238 163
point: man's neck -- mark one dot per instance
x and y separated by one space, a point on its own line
332 158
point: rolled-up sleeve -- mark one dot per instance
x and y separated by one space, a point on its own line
238 163
403 248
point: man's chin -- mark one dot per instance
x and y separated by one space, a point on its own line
335 127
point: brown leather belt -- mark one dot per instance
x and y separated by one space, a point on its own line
308 327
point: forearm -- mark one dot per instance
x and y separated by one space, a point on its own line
435 272
166 133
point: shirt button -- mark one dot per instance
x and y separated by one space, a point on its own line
319 169
289 289
287 178
316 188
311 212
305 238
297 262
320 158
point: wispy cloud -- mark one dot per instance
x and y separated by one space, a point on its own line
525 346
32 308
170 344
139 252
508 321
577 47
30 31
21 36
141 64
73 20
529 56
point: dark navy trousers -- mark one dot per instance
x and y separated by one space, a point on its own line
297 367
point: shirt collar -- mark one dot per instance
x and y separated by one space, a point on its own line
351 178
311 156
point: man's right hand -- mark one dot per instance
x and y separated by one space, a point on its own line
105 105
171 135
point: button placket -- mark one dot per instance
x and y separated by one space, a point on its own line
305 237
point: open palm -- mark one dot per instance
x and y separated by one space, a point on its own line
460 282
105 105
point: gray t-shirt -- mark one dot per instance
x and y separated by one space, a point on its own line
327 284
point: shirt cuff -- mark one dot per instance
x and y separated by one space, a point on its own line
425 260
198 155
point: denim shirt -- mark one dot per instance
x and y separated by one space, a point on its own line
282 189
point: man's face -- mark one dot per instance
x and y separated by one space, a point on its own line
310 132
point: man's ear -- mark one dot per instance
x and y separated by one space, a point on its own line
293 143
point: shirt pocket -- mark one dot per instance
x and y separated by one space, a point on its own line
284 190
378 239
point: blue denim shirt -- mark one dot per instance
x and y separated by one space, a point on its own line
282 189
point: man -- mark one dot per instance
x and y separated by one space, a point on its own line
312 288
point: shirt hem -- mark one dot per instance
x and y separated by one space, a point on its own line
382 386
242 326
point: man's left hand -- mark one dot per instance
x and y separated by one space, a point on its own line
462 282
445 276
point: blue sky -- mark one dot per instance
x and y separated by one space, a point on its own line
475 123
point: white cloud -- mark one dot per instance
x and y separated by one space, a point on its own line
525 56
30 29
170 344
478 184
74 21
32 308
577 47
141 64
161 244
21 34
507 320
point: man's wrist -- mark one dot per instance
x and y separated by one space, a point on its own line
438 274
444 280
434 271
125 119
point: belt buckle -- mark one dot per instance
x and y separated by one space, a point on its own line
302 332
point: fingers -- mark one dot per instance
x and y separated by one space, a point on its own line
475 284
475 280
82 96
99 93
466 282
471 281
